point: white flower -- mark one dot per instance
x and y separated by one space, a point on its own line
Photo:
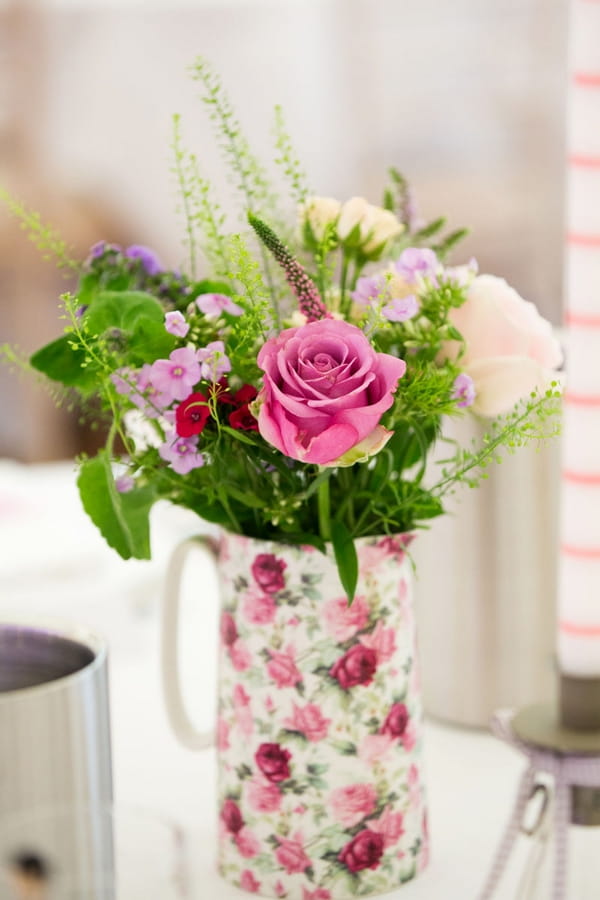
142 431
376 225
319 212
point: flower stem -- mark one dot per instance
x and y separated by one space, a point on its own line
324 502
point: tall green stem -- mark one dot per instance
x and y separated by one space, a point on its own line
324 502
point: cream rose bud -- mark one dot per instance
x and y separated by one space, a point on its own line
385 227
510 350
355 211
319 212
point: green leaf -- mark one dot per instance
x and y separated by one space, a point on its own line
123 519
238 435
345 557
122 309
62 362
150 340
211 287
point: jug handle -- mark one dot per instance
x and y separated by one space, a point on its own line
177 714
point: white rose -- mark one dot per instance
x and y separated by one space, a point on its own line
319 212
385 226
376 225
355 211
510 350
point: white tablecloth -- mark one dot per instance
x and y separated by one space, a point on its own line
54 563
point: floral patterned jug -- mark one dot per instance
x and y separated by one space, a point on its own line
319 719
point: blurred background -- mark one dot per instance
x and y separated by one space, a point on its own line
465 98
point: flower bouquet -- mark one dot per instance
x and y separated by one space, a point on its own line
296 388
293 386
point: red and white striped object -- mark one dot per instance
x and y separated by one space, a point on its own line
579 566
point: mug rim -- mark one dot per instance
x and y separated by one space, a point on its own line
78 634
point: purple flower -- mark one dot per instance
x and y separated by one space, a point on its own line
147 257
176 376
368 288
212 305
124 484
214 362
182 453
99 249
415 262
401 308
464 390
176 324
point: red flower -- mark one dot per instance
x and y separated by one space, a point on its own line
246 394
272 760
191 415
357 666
395 721
229 633
242 419
267 571
364 851
232 817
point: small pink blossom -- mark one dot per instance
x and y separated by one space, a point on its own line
319 894
399 309
177 375
222 734
382 640
259 608
269 703
241 658
300 809
248 882
282 668
212 305
124 484
375 747
290 854
280 890
214 363
243 711
176 324
352 803
309 721
148 398
343 620
390 825
262 795
293 621
247 843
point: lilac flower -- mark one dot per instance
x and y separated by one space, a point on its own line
176 376
124 484
176 324
147 257
401 308
99 249
212 305
124 380
415 262
368 288
214 362
464 390
182 454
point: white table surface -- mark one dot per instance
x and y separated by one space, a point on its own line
54 563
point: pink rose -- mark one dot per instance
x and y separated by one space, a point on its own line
267 570
396 720
371 555
247 843
248 882
355 667
352 803
222 734
282 668
381 640
309 721
240 656
262 795
409 738
258 608
324 391
290 854
364 851
375 747
319 894
231 816
510 349
389 825
243 712
273 762
228 629
342 619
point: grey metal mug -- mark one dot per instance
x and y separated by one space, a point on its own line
55 764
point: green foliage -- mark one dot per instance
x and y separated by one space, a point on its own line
44 237
288 160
